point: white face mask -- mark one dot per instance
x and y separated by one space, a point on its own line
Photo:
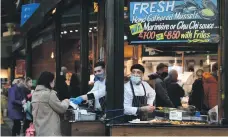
136 79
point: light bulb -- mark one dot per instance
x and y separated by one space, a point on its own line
208 59
52 55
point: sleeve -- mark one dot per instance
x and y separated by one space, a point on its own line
57 105
13 97
163 94
128 98
150 94
98 91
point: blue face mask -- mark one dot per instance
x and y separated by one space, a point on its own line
136 79
99 76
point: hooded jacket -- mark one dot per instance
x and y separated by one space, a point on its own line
210 86
162 97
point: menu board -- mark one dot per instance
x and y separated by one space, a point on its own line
174 21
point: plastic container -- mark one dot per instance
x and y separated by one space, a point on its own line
87 117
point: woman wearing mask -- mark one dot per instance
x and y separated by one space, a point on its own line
46 107
27 105
138 95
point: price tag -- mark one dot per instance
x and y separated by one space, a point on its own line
136 29
175 115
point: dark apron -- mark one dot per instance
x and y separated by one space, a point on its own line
138 101
100 113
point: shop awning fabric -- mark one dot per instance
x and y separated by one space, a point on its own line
38 16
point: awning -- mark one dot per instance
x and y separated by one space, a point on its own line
38 17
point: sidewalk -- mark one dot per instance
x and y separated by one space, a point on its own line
6 127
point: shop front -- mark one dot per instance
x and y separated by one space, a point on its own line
185 36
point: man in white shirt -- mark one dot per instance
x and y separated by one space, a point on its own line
138 95
98 91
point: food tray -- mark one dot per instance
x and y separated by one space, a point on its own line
139 122
87 117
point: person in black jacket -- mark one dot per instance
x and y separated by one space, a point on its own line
74 86
162 97
175 91
61 85
197 94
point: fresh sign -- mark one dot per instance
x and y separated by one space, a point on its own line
186 21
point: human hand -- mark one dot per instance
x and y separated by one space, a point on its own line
23 102
148 108
86 102
67 100
77 100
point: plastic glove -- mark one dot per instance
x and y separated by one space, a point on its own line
77 100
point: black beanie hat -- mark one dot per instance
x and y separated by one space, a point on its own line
138 66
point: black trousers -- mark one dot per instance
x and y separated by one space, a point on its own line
16 127
26 125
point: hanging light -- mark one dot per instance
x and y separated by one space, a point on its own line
52 55
53 11
208 59
175 61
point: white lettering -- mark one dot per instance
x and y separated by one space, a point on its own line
135 7
161 6
152 6
144 7
170 5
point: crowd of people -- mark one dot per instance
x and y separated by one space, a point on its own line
43 106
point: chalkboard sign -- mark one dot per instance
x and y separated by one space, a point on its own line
174 21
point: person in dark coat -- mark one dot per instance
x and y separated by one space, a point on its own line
16 99
162 97
74 86
197 94
175 91
61 85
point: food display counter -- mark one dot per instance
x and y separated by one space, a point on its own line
80 122
82 128
170 122
146 129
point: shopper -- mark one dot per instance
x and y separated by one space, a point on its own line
47 107
215 71
138 96
210 86
16 99
162 97
175 91
197 95
74 86
61 85
27 105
